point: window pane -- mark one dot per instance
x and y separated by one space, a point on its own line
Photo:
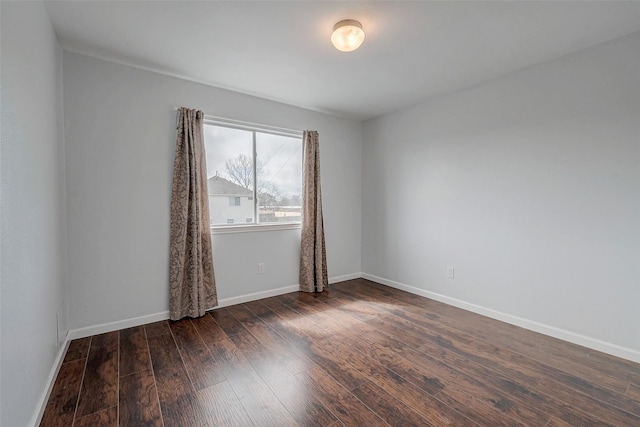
279 183
230 174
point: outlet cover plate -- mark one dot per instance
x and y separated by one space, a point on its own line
450 272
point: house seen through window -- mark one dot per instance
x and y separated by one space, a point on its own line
254 176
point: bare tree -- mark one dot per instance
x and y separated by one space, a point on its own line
240 171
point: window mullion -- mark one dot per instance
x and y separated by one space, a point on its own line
255 181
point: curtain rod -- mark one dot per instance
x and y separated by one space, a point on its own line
240 123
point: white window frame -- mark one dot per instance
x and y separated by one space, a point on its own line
253 127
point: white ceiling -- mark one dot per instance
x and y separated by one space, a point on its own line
281 50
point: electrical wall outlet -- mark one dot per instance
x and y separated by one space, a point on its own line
261 268
450 272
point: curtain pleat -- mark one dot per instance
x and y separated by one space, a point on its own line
192 288
313 256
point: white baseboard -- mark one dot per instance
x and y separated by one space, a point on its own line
344 278
226 302
583 340
44 397
117 325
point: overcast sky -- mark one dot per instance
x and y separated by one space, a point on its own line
279 156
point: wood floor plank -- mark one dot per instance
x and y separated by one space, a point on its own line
634 392
261 405
344 405
390 409
179 405
287 323
100 384
138 400
474 409
78 349
104 418
616 366
588 404
303 407
289 355
546 364
61 406
157 328
285 307
529 404
554 422
281 383
591 389
450 385
134 352
220 346
203 369
298 333
608 379
435 411
548 404
210 332
223 407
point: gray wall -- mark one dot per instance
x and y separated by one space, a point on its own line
32 203
529 186
120 134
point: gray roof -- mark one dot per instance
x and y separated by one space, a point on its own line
217 185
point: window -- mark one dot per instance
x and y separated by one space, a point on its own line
254 174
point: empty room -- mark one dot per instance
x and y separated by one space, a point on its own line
319 213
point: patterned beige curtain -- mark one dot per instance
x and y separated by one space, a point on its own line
192 288
313 256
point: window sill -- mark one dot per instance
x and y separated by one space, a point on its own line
254 227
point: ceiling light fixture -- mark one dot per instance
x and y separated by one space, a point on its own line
347 35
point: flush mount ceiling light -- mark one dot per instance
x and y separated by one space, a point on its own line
347 35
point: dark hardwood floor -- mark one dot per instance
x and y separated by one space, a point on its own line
361 354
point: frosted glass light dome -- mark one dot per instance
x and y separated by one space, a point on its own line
347 35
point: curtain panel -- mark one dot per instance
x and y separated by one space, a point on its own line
192 288
313 257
